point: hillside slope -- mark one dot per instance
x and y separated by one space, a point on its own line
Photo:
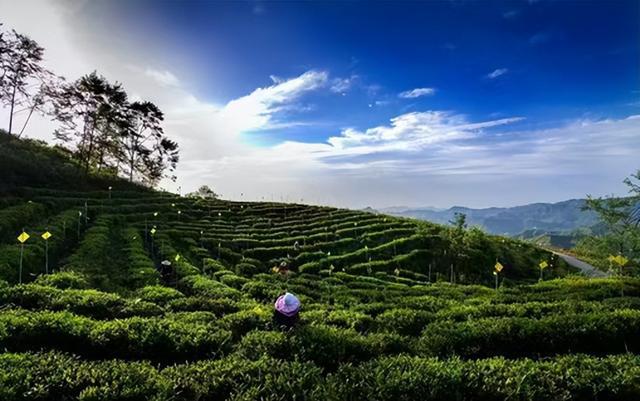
32 163
106 319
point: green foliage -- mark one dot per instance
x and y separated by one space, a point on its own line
158 294
377 307
64 280
621 220
32 163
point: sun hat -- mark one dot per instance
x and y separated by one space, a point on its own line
287 304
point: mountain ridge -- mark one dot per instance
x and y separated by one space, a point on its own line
558 217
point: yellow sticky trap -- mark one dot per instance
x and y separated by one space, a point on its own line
621 260
153 231
499 267
397 272
177 258
23 237
46 235
543 264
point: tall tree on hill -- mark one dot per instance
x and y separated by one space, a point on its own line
147 151
92 111
115 119
24 82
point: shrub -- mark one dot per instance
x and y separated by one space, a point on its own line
64 280
256 344
593 333
240 323
158 294
247 269
203 286
233 281
404 321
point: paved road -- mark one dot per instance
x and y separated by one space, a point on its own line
587 269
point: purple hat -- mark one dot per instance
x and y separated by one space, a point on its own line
287 304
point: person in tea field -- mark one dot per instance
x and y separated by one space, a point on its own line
286 311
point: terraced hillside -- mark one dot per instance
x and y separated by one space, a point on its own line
119 239
380 320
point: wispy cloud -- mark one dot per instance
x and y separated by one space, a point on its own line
417 92
497 73
342 85
163 77
510 14
412 131
257 110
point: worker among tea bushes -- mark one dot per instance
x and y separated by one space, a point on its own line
286 310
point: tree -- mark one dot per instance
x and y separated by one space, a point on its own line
204 192
93 112
456 238
619 214
24 81
147 151
108 131
621 219
459 221
4 55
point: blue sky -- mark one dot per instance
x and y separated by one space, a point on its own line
373 103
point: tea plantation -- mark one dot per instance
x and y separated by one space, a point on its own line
392 309
380 318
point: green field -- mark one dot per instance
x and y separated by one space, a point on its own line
381 318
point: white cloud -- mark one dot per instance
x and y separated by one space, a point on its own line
413 131
417 92
497 73
163 77
256 110
275 79
429 157
342 85
463 161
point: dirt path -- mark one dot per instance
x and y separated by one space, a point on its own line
587 269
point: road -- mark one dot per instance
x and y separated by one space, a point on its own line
587 269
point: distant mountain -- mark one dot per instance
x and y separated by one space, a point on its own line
562 217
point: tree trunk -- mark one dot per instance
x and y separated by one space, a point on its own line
89 153
13 103
27 121
132 156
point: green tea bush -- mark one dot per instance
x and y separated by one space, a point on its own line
404 321
165 340
218 306
405 378
592 333
64 280
158 294
233 281
244 321
14 218
203 286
